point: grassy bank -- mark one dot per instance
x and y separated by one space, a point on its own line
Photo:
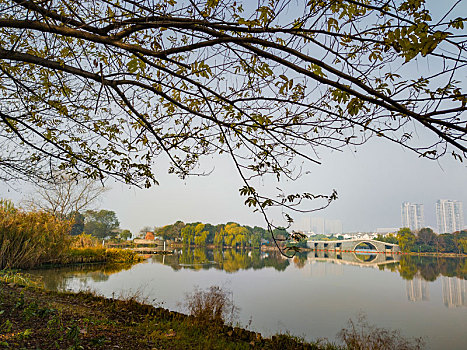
34 318
99 255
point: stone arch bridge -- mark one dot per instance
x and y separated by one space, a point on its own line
353 258
355 245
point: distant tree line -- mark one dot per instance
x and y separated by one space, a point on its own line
425 240
230 234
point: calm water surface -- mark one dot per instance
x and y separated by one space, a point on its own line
312 295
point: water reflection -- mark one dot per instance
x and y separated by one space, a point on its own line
417 289
418 271
57 278
229 260
312 294
454 292
320 269
429 268
409 267
359 258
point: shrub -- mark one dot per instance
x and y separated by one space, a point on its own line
213 305
363 336
84 240
101 254
116 255
8 276
29 239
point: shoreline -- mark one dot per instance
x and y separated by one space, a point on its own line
34 317
268 248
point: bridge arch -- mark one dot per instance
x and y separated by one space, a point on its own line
367 242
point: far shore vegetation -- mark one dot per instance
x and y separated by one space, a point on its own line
426 241
33 238
238 236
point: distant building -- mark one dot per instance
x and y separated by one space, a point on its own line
305 224
318 225
386 230
412 216
333 226
449 216
149 236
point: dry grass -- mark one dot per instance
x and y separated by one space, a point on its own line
29 239
360 335
214 305
22 279
84 240
35 238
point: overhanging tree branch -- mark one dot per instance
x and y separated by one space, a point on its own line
103 88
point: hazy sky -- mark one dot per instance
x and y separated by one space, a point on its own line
371 183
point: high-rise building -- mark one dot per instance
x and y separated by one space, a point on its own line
305 224
449 216
333 227
318 225
325 226
412 216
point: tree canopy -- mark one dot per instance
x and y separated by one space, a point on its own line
425 240
229 234
107 87
101 224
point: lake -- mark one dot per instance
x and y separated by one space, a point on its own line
312 295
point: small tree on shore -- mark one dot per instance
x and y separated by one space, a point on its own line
101 224
65 195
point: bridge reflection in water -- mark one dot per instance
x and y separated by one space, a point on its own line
360 257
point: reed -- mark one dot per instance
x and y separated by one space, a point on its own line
34 238
100 254
29 239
